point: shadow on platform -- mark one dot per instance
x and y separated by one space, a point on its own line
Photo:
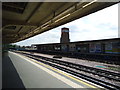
10 77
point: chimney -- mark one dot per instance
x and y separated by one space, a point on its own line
64 35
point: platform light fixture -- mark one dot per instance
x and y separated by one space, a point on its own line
45 27
89 3
36 31
63 17
46 23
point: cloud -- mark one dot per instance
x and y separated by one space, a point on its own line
102 24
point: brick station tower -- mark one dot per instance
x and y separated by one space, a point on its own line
64 35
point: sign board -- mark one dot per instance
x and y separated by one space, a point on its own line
95 47
108 48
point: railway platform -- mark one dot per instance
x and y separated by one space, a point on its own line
22 72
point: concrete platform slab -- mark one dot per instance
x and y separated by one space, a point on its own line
34 75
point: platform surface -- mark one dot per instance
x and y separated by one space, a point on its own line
23 72
10 77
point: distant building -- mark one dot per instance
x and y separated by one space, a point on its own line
64 35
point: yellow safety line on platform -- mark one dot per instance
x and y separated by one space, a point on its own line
63 73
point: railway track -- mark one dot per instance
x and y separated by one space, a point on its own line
69 67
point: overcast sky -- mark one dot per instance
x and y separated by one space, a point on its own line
99 25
